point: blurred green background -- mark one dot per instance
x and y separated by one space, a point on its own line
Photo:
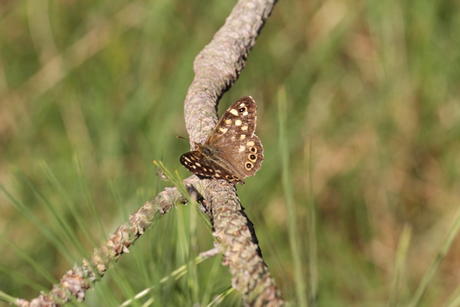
359 115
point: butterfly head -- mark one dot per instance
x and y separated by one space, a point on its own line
205 150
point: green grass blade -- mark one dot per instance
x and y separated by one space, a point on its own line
31 261
68 206
177 181
294 239
399 270
176 275
20 278
219 298
432 269
7 298
44 229
312 235
454 300
86 195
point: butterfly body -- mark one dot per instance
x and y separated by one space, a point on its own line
232 152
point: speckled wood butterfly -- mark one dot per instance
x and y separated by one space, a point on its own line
232 151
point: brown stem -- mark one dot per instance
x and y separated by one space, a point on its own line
216 68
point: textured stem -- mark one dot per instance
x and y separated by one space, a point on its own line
75 282
216 68
219 64
236 237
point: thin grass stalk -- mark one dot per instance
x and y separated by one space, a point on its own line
41 271
7 298
400 265
25 211
312 235
219 298
294 240
433 268
176 274
86 195
71 207
454 300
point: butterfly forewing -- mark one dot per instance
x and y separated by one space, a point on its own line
200 165
239 119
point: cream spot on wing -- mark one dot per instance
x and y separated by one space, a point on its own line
244 128
242 137
242 104
250 143
228 121
217 175
197 164
238 122
218 171
194 166
186 159
234 112
245 113
242 148
223 130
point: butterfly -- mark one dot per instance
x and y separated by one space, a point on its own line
232 151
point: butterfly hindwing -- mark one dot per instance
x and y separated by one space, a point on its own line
250 156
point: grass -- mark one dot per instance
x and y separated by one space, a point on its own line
363 148
434 267
294 236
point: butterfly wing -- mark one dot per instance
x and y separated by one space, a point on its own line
234 139
245 158
233 151
239 118
202 166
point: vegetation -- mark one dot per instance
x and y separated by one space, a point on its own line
356 202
